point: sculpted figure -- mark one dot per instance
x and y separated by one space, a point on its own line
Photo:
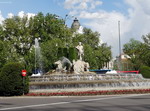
80 51
80 67
63 64
59 66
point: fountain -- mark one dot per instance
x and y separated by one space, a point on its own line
38 71
84 80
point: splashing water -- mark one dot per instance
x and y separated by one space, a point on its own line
38 58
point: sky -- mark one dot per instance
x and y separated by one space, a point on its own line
99 15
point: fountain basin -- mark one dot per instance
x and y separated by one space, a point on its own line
87 82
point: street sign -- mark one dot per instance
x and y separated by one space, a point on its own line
24 73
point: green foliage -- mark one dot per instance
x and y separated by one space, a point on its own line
146 50
94 53
145 71
20 33
51 51
132 47
72 54
60 52
97 56
89 56
146 39
11 80
2 54
29 61
17 37
139 52
65 52
88 37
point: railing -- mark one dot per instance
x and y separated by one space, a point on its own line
137 72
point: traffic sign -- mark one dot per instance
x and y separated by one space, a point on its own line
24 73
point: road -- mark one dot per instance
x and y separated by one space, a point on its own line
92 103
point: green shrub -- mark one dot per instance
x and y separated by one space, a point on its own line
145 71
60 52
11 80
65 52
72 54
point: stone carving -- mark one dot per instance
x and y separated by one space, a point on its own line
59 66
80 51
63 64
80 66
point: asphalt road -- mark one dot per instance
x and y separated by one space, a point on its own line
92 103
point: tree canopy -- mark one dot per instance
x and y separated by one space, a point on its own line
138 51
17 37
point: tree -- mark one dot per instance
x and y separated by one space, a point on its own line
145 55
139 52
20 33
146 39
132 48
3 54
50 52
96 55
88 37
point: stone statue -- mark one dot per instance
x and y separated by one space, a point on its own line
80 51
80 67
63 64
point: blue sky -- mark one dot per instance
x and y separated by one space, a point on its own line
99 15
31 6
51 6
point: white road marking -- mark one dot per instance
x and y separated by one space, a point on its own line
76 101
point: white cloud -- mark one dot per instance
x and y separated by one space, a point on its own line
93 15
132 25
10 15
69 4
81 4
30 15
74 12
21 14
1 18
107 25
95 3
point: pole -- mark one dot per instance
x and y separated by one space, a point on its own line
35 61
24 72
23 85
119 45
119 38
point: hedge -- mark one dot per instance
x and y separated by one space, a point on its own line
11 80
145 71
72 54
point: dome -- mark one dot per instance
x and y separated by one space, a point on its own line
75 25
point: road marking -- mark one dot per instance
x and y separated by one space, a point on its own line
76 101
